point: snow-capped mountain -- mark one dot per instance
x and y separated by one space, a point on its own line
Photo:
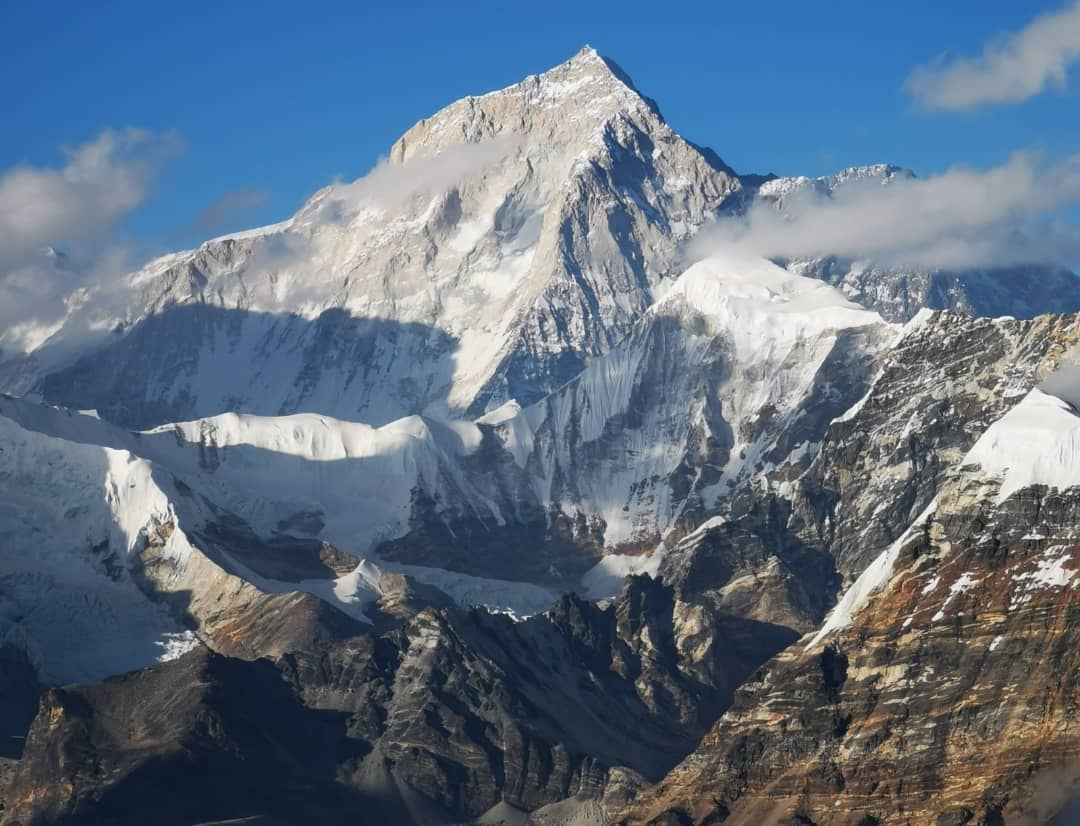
776 190
506 240
731 374
286 467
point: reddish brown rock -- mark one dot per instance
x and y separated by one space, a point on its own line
951 698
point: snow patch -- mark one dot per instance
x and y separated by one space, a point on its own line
742 292
516 599
174 645
873 579
605 579
1036 443
1050 572
963 583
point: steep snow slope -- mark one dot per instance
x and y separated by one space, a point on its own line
353 481
71 517
508 238
708 389
1035 443
356 481
237 484
732 372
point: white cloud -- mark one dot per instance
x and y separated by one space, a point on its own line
387 187
72 207
101 182
37 297
1011 69
961 218
390 184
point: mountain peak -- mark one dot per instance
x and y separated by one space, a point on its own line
587 57
586 54
564 103
589 63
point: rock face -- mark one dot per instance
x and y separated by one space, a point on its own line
898 294
950 697
943 383
436 722
132 749
19 691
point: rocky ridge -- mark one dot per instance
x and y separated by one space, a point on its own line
947 695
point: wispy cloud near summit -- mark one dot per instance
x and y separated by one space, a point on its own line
959 219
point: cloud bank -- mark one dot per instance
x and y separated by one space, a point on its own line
960 219
1012 69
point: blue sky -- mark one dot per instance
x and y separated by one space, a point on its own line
284 97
